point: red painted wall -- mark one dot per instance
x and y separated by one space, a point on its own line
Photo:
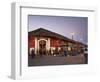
54 42
31 41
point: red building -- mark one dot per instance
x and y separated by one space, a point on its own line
45 40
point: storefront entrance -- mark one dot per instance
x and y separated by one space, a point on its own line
42 47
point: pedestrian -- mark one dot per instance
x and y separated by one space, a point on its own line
65 51
74 52
40 52
86 55
32 53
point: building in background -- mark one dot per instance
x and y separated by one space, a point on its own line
47 42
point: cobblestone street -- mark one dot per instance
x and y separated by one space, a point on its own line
56 60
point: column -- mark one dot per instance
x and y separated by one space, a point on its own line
36 45
48 47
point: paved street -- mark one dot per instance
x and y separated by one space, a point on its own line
56 60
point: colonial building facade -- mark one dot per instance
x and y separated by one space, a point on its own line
47 41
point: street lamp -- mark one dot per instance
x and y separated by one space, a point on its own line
72 35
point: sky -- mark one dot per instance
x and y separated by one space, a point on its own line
63 25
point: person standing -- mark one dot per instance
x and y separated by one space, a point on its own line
40 52
74 52
32 53
65 51
86 55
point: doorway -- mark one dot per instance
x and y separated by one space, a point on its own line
42 47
